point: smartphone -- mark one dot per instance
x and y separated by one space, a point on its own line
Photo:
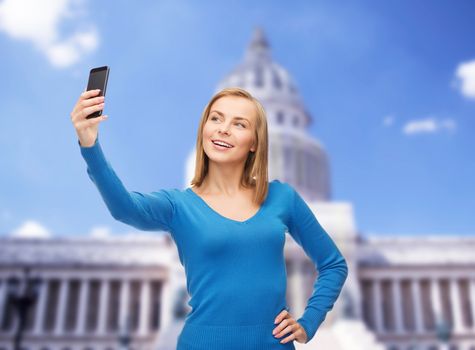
98 80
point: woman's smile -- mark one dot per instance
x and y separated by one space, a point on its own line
220 147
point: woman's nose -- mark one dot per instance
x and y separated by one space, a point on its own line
224 130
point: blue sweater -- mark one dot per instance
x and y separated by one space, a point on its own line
235 270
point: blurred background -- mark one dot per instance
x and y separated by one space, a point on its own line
370 108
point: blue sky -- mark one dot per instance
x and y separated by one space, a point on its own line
379 79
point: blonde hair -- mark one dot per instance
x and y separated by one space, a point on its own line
255 172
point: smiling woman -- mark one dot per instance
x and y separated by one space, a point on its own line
229 230
239 121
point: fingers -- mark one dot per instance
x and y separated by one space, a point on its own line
291 337
291 329
82 112
87 99
281 316
281 326
89 110
90 122
85 95
286 326
89 93
90 101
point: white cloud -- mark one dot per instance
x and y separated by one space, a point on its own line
465 76
68 52
100 232
31 229
428 125
39 22
388 120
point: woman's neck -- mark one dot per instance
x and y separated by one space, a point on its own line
223 179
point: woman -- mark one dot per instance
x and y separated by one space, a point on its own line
229 229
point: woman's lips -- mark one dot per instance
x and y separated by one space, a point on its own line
220 148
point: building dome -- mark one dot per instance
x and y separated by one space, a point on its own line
262 77
294 157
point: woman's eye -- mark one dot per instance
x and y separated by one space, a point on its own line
216 118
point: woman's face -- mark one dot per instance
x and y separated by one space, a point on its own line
232 119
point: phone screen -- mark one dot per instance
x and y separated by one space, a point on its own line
98 80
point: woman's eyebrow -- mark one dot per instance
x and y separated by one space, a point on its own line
236 117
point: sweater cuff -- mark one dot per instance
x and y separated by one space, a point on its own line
93 156
311 321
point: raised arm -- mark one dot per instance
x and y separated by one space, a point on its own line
145 211
329 262
152 211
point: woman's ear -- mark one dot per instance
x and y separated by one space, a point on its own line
252 147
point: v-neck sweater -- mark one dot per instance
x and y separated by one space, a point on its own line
235 270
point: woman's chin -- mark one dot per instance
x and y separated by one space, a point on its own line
224 158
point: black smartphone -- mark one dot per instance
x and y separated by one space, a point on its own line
98 80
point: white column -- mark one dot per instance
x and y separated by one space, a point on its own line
416 298
297 287
41 308
436 300
377 305
165 299
83 304
456 306
124 304
61 310
103 309
397 306
471 296
144 319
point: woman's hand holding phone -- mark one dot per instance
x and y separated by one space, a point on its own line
87 129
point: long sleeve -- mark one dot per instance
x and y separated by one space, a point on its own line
145 211
329 262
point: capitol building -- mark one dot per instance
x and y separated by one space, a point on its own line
402 292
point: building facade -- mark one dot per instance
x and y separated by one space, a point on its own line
130 292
